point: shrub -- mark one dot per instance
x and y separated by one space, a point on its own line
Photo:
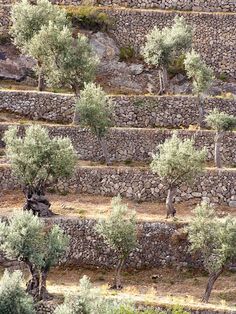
176 66
89 17
13 298
126 53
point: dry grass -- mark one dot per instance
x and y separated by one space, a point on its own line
182 287
89 206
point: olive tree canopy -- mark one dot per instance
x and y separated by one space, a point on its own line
177 162
38 161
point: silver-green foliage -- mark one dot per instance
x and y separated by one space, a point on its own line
178 161
65 61
94 109
90 301
13 298
221 121
37 159
119 228
26 239
214 237
28 19
198 71
164 45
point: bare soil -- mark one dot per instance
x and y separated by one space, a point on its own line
89 206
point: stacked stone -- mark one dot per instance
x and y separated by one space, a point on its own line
213 38
129 111
186 5
137 144
215 186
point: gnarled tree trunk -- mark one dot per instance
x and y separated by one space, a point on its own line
171 211
218 139
163 80
37 202
211 281
117 280
32 286
103 145
43 293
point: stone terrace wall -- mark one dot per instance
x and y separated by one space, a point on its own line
137 144
131 111
194 5
186 5
157 246
38 106
214 34
216 186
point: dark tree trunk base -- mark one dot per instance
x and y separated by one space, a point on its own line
116 287
39 205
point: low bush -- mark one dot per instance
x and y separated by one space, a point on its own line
126 53
89 17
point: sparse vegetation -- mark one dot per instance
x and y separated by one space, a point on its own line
89 17
126 53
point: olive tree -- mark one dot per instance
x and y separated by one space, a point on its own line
66 61
13 298
28 19
214 238
164 45
26 238
119 232
177 162
220 122
38 161
94 109
202 77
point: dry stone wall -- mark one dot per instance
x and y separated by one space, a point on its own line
129 111
158 245
186 5
215 186
214 35
137 144
48 308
